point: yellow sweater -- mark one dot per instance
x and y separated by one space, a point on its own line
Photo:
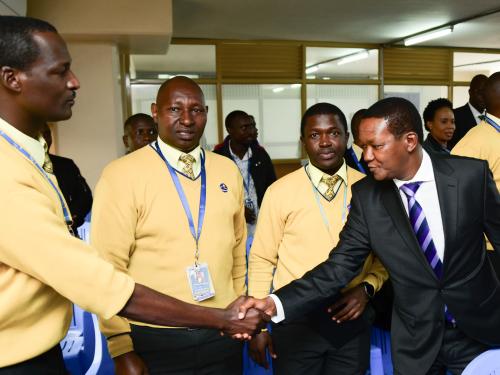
482 142
138 224
291 235
42 267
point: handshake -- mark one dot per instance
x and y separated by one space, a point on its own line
246 316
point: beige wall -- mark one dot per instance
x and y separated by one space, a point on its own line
92 137
96 32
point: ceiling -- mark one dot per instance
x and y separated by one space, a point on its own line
354 21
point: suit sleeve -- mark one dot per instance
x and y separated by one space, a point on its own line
491 210
113 234
328 278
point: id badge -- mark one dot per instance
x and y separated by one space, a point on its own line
200 282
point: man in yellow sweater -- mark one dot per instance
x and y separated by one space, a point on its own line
42 267
300 220
171 215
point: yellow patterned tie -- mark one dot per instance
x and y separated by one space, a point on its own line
188 161
47 163
330 181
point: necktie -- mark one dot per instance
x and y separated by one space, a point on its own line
188 161
47 163
423 233
330 181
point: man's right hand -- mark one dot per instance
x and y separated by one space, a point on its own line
130 364
242 328
266 305
257 349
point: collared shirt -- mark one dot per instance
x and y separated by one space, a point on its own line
427 197
172 155
243 165
477 115
494 118
315 174
34 147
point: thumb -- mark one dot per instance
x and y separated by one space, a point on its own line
242 309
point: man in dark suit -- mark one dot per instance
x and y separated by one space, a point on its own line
467 116
73 186
446 294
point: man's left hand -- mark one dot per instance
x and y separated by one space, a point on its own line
352 303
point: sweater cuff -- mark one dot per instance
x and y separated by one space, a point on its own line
120 344
373 281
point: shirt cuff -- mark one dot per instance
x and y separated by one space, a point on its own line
280 313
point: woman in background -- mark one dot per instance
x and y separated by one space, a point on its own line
439 120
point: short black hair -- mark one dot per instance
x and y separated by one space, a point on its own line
322 109
433 107
233 116
18 50
137 117
356 119
400 114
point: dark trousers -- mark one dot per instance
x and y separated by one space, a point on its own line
48 363
456 352
187 351
301 350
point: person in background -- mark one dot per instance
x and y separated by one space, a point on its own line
253 161
468 115
301 217
139 130
439 120
351 154
483 142
171 215
73 186
43 268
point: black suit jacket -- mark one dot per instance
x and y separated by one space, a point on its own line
464 121
470 205
75 190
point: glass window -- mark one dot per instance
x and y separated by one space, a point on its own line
349 98
143 95
341 63
194 61
420 96
460 96
276 109
467 64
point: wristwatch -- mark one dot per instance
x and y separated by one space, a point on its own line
369 289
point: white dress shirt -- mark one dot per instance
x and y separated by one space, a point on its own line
475 113
34 147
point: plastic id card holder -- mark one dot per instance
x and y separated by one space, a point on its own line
200 282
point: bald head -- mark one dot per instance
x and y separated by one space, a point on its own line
476 92
491 94
180 113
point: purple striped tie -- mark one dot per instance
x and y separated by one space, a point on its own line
423 233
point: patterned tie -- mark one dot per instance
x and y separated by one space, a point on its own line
330 181
188 161
423 233
47 163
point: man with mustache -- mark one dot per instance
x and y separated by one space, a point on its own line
300 220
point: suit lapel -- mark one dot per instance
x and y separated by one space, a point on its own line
447 189
392 202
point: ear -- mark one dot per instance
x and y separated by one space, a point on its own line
154 112
411 140
125 141
346 137
10 78
429 125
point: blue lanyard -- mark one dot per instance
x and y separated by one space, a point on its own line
180 191
356 160
67 216
491 122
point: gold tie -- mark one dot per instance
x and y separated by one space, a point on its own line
330 181
188 161
47 163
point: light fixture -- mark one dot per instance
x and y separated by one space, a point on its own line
312 69
428 36
278 89
354 57
295 85
164 76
